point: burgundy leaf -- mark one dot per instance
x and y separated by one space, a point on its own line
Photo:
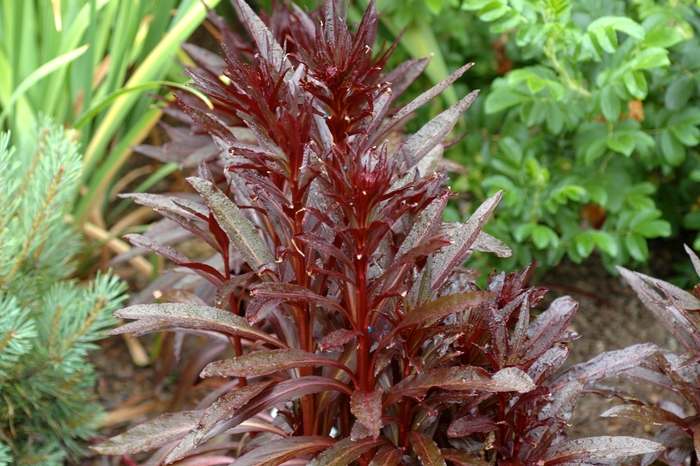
344 452
181 296
404 74
469 424
487 243
452 256
229 286
546 365
427 223
509 379
463 458
284 449
268 295
158 201
439 308
337 339
598 448
191 316
674 319
238 228
158 247
549 327
428 95
387 456
190 226
696 262
260 363
646 415
435 131
426 449
207 461
222 409
607 364
267 45
696 435
151 434
271 396
367 408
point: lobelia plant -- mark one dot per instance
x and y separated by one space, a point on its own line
364 340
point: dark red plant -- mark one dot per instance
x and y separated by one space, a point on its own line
365 339
678 311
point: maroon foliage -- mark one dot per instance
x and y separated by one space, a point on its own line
363 338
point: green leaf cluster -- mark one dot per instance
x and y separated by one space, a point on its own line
48 322
587 119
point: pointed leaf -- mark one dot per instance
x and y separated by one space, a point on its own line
645 415
598 448
434 132
404 74
191 316
426 449
270 396
434 91
696 441
260 363
455 254
469 424
463 458
220 410
344 452
267 45
266 296
281 450
549 327
444 306
460 378
151 434
674 320
607 364
387 456
367 408
427 223
337 339
238 228
487 243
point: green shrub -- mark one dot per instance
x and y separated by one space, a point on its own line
48 322
587 121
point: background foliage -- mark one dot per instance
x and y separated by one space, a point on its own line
587 119
48 323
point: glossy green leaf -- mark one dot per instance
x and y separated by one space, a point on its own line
671 148
636 245
679 92
493 11
623 143
500 99
652 57
636 84
610 104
